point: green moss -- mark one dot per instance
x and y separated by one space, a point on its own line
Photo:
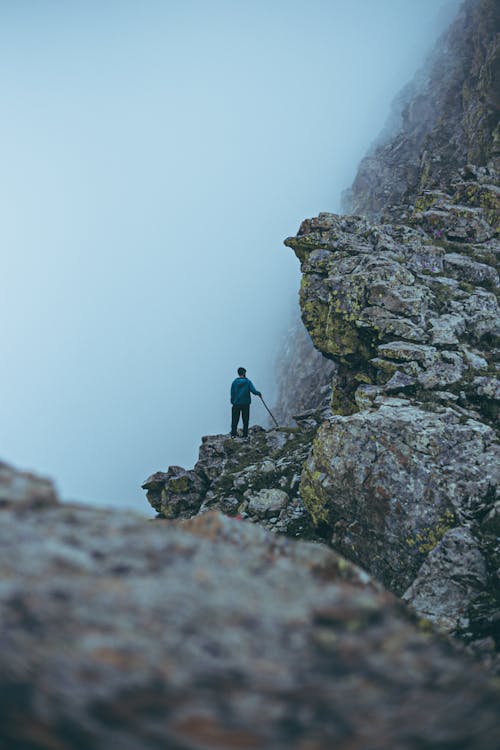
425 625
341 403
178 486
466 287
424 201
428 537
362 377
314 497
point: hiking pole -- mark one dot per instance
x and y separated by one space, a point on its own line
269 410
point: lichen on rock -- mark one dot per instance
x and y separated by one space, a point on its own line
403 297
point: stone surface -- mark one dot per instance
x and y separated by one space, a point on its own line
400 300
24 489
451 581
391 481
444 125
403 297
209 633
267 503
258 477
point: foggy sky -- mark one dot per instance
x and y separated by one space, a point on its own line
154 157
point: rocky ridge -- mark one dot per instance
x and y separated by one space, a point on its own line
256 479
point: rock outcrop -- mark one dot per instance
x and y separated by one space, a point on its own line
256 479
404 299
211 633
401 447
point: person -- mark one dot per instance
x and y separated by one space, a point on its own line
241 388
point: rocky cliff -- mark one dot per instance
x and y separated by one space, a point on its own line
329 583
404 298
395 464
445 118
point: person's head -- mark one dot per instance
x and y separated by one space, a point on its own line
242 372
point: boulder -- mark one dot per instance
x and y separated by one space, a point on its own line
267 503
117 632
387 484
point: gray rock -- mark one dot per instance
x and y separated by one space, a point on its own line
267 503
446 329
487 386
211 633
389 483
452 578
463 268
25 490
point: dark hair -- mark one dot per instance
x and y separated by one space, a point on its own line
241 371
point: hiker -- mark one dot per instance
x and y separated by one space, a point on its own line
241 388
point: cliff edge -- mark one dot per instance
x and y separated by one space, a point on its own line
396 464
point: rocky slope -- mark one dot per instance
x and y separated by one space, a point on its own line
401 466
211 633
445 118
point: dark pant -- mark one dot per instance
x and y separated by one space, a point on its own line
244 410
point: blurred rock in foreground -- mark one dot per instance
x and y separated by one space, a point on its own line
212 633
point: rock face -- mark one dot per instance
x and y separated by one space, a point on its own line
410 314
395 462
403 477
403 492
447 117
256 479
304 376
212 633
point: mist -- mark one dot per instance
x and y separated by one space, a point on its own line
154 157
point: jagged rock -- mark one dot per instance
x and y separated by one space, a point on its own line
444 121
259 477
209 633
487 386
446 329
386 485
452 578
400 382
463 268
175 493
457 223
267 503
365 301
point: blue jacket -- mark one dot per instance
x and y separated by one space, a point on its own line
240 391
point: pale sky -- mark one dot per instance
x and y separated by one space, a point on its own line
154 157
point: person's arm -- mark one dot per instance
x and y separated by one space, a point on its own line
232 392
252 389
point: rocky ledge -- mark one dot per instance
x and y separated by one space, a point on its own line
255 479
211 633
